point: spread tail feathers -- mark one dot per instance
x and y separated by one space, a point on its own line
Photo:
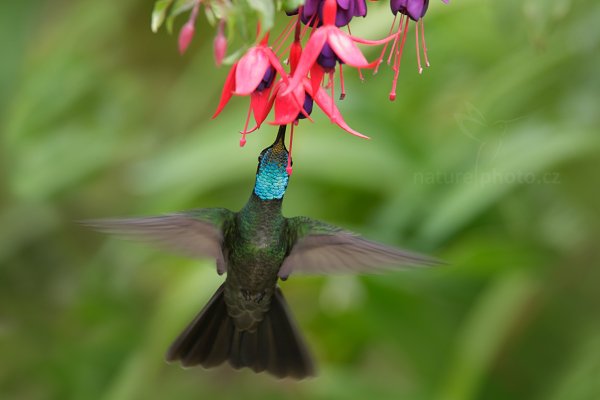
212 338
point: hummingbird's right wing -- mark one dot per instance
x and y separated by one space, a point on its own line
320 248
196 233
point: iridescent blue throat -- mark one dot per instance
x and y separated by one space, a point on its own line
271 179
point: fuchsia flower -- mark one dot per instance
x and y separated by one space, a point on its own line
293 95
253 76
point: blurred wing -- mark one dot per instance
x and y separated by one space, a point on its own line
196 233
321 248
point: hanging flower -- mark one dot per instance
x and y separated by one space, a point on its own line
253 76
318 51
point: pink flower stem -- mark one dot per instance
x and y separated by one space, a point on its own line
194 13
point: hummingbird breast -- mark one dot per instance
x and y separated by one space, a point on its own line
255 252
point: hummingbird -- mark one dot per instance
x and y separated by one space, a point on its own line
247 321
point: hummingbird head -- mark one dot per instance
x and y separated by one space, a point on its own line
271 174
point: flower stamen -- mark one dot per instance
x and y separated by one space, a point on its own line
343 94
424 44
243 139
419 67
397 62
380 58
332 91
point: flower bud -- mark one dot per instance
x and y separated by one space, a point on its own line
220 46
185 36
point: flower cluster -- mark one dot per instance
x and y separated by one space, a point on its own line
290 78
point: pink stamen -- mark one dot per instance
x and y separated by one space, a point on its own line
343 94
418 49
289 160
243 139
424 44
315 19
397 61
332 90
380 58
395 44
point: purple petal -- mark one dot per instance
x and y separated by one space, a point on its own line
416 9
343 4
310 7
342 18
361 8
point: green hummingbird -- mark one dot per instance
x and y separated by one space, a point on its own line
247 321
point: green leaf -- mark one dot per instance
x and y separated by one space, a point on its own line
159 13
486 329
179 7
266 12
290 5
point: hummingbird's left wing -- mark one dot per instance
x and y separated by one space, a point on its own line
320 248
196 233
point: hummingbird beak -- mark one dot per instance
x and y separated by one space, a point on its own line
280 139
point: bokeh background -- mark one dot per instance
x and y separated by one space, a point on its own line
489 160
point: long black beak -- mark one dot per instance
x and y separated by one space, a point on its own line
280 139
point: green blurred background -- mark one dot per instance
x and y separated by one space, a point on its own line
489 160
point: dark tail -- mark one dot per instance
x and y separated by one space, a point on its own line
212 338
